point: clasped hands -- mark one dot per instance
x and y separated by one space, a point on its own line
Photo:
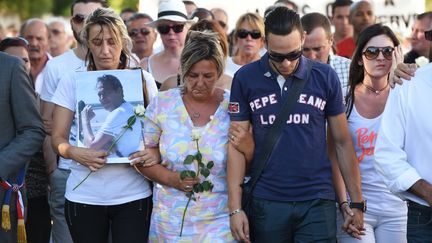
353 221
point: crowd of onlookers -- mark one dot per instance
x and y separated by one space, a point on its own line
322 175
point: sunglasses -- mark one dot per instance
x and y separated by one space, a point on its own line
428 35
135 32
373 52
277 57
254 34
165 29
78 18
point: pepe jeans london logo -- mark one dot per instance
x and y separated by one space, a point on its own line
366 142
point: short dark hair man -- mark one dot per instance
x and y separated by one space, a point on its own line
296 183
419 45
362 15
318 44
340 19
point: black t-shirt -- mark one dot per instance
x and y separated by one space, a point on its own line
410 57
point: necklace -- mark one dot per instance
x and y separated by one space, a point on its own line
196 114
192 112
377 92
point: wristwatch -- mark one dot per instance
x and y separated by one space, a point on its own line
359 205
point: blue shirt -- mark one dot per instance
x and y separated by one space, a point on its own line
299 168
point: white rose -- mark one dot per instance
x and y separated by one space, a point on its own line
421 61
139 110
195 134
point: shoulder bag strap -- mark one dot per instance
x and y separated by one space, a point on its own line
275 131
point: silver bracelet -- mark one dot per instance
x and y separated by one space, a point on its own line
235 212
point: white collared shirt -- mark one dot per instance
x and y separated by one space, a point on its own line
403 152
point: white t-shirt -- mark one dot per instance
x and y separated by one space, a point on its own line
113 126
55 69
112 184
231 67
380 200
38 83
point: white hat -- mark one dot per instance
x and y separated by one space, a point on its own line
172 10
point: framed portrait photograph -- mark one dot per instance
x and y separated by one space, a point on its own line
109 109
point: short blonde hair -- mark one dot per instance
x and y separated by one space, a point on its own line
107 17
253 20
202 45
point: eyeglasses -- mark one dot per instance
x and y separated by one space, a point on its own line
165 29
428 35
242 34
372 52
277 57
135 32
78 18
222 24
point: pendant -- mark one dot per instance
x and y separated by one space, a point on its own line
196 115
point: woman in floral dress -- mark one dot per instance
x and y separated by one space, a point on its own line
178 123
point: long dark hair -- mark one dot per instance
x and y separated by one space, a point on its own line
356 72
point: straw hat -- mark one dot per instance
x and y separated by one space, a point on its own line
172 10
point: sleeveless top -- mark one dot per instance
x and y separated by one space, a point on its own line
364 133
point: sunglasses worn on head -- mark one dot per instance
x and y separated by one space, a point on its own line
165 29
135 32
372 52
277 57
78 18
242 34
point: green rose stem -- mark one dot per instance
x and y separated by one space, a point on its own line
184 212
190 194
130 122
203 170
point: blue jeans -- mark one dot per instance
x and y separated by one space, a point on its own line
307 221
419 228
60 231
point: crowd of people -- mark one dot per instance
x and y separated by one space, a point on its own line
281 130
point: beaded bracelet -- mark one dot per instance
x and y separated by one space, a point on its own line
235 212
342 203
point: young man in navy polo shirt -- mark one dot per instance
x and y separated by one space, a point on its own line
294 199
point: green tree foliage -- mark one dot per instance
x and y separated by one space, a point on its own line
61 7
37 8
26 8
